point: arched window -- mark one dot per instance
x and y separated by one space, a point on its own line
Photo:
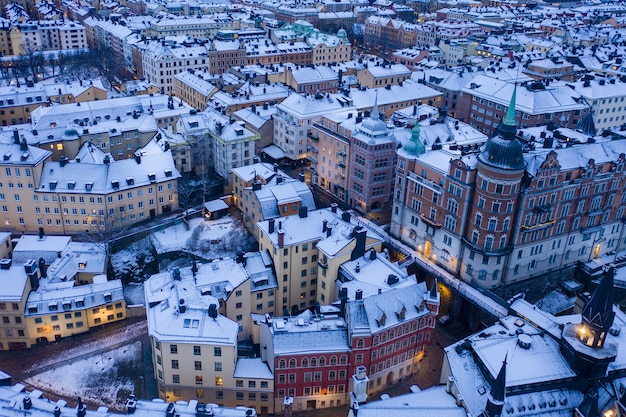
305 362
406 328
292 363
392 334
322 361
333 360
282 363
376 340
422 322
400 331
313 362
360 343
414 326
384 337
343 360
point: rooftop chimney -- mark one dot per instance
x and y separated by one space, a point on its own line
281 238
304 212
270 225
16 137
333 207
359 294
324 226
329 231
301 176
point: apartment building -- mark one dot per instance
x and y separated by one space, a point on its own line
295 116
103 195
17 103
194 88
382 74
22 167
16 396
317 79
263 193
194 346
313 356
392 98
118 126
517 208
47 35
330 49
306 272
17 282
605 98
226 54
54 311
162 60
483 101
389 33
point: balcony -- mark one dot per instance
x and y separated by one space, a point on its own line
342 164
432 222
313 137
311 159
537 226
312 148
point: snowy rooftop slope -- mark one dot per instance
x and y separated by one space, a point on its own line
12 283
252 368
12 400
34 247
368 313
431 402
373 275
553 98
261 170
76 177
63 298
79 257
310 228
301 334
166 292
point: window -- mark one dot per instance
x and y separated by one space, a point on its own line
174 349
174 363
218 366
197 365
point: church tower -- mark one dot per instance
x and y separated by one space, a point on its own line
487 237
585 345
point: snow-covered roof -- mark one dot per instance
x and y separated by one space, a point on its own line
166 292
35 247
305 229
253 368
12 283
63 297
304 334
103 178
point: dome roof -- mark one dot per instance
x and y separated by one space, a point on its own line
499 152
503 150
374 125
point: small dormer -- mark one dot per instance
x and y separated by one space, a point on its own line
71 185
89 186
130 181
7 156
381 319
401 313
168 173
151 176
53 184
115 184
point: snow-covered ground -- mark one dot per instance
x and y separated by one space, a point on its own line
101 369
207 239
556 302
104 379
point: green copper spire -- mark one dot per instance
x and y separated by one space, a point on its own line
509 119
508 128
